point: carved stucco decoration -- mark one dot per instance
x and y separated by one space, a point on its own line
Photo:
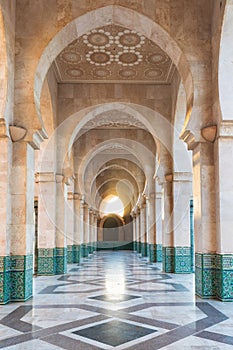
114 119
115 149
113 53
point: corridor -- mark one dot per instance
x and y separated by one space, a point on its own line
116 300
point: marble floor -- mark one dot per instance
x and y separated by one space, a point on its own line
116 300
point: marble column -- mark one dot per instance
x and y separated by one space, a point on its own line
95 239
84 228
159 224
138 230
204 219
182 193
168 242
5 214
151 227
178 192
61 247
143 229
22 221
70 227
224 194
46 264
90 230
134 232
78 232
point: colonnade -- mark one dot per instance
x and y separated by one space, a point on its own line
162 226
67 226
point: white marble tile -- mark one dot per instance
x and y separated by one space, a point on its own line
175 314
33 345
52 317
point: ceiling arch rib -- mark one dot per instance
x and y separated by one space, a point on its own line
117 187
145 158
116 168
120 175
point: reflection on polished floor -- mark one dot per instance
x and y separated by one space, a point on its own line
116 300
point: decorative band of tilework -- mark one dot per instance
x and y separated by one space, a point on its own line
90 248
76 253
144 249
84 250
134 246
177 259
139 247
70 254
61 260
224 277
205 275
214 276
21 277
5 266
155 253
168 259
46 261
183 260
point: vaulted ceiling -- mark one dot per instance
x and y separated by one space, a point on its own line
112 53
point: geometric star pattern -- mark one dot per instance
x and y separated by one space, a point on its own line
115 300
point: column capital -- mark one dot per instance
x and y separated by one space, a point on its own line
45 177
3 129
188 137
225 129
70 195
59 178
159 180
77 196
179 177
17 133
169 177
182 176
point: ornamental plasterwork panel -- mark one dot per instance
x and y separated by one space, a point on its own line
113 53
114 119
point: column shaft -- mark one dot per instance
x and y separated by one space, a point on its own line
22 223
46 264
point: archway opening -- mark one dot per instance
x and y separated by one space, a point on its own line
111 225
111 205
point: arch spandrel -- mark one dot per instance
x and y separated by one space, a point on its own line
118 15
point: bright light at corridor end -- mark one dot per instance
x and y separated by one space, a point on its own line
111 205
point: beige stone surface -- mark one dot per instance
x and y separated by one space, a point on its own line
119 124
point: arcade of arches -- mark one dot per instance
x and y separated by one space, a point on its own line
132 99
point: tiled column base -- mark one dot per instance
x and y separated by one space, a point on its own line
46 261
183 261
143 249
134 246
70 254
139 247
21 277
214 276
155 253
84 251
77 253
168 259
90 248
61 260
224 277
5 265
16 274
177 259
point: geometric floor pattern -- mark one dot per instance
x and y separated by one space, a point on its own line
116 300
